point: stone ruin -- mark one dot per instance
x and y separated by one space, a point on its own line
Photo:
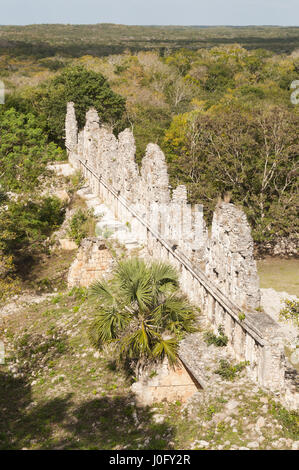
217 272
229 257
229 252
92 263
167 383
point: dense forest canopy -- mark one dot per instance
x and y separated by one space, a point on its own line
222 115
104 39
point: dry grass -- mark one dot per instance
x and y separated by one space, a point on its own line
56 393
280 274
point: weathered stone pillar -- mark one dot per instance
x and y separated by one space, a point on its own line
71 134
230 260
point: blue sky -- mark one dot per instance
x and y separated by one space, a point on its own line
180 12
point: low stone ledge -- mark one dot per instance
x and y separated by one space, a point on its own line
164 383
189 353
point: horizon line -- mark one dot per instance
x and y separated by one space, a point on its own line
157 25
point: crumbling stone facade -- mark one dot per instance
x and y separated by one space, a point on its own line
173 231
147 191
230 261
71 129
92 262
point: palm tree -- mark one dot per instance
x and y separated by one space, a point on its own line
141 313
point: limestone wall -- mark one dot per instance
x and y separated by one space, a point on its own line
147 190
230 261
172 230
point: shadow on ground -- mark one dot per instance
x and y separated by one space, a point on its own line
60 423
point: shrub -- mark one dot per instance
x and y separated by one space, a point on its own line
77 180
228 371
220 340
141 312
26 224
81 226
290 311
9 285
86 89
79 293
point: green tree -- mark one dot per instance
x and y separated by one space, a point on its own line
24 150
25 224
141 313
220 76
252 154
86 89
180 60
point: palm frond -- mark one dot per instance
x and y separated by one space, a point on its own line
107 325
164 276
134 282
103 292
166 348
140 342
175 314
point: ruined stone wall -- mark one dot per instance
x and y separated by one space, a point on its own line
148 190
92 262
71 133
173 231
230 261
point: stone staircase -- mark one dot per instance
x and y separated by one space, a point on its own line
108 226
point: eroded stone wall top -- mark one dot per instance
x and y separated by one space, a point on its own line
230 261
71 128
229 251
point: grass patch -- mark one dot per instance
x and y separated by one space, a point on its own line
288 419
228 371
279 274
